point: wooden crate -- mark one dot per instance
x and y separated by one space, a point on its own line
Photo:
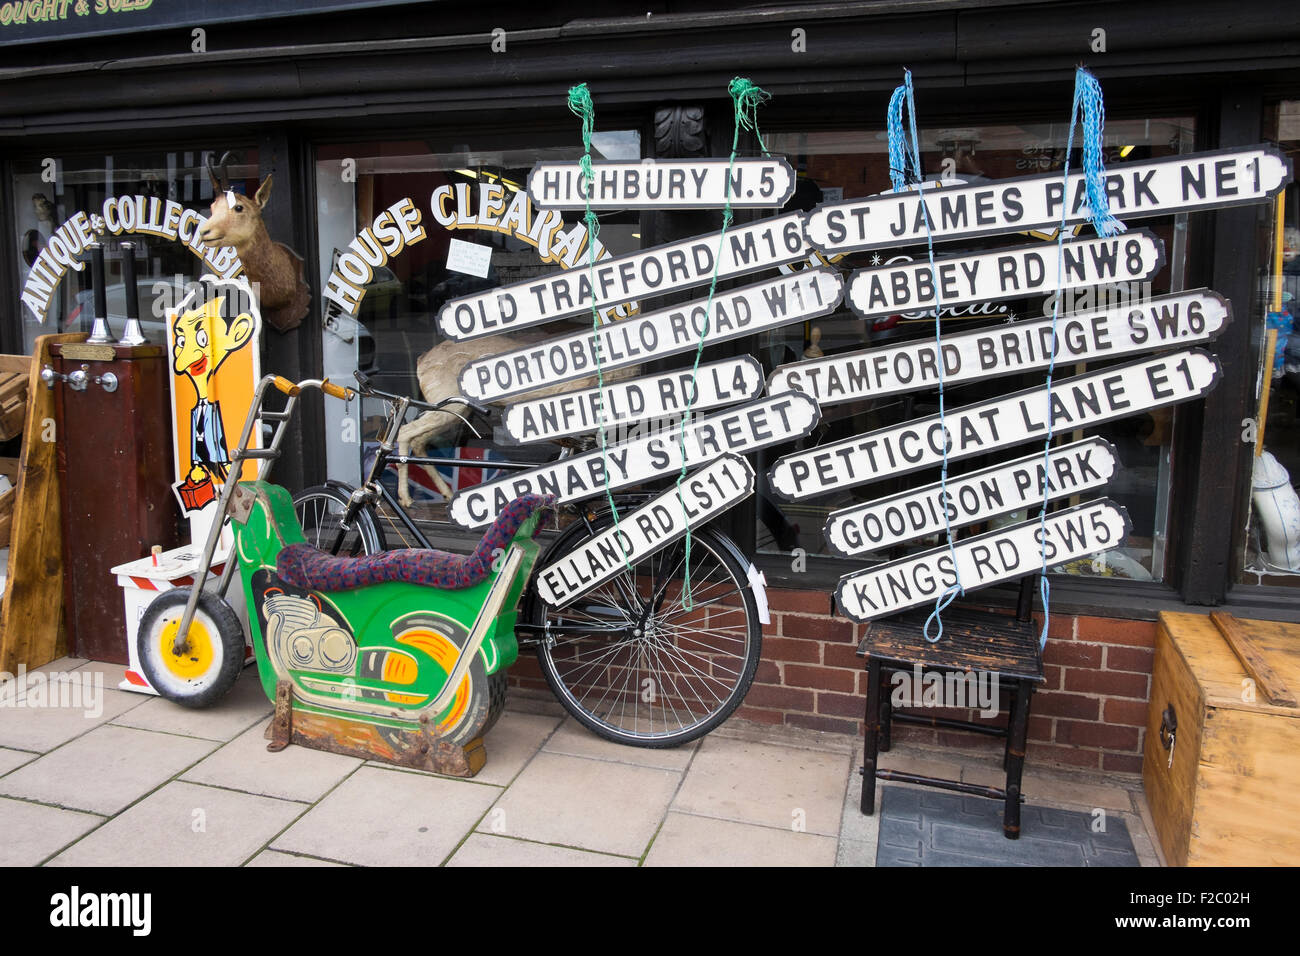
8 468
1231 795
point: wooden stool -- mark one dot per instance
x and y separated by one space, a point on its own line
972 642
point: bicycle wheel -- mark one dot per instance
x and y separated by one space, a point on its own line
320 512
663 675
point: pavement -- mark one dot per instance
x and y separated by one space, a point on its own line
132 780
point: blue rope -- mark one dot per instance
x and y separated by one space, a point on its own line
1088 101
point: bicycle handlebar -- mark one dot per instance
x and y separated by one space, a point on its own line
325 385
366 389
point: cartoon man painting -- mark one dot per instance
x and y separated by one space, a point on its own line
203 336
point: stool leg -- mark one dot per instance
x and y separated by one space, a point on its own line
886 710
1017 731
872 741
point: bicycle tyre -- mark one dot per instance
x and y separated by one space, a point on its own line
320 509
582 672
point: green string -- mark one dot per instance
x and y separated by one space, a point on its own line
746 98
580 104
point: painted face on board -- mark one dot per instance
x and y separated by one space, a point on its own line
202 339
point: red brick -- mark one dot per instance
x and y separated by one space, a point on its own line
1110 683
526 666
1110 630
1040 728
791 649
1065 705
767 672
820 678
1083 734
1051 677
818 628
1137 659
813 722
1129 713
783 698
1060 628
760 715
842 655
1055 754
1072 654
805 602
1122 763
841 705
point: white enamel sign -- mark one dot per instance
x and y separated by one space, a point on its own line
1178 320
985 559
1076 402
663 184
638 275
1181 183
1011 273
651 397
704 494
971 498
769 421
807 294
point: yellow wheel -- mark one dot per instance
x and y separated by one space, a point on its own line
208 663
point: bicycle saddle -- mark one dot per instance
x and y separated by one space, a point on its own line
314 570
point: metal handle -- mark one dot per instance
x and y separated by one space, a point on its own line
1168 727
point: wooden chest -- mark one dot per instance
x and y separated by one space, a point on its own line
1231 795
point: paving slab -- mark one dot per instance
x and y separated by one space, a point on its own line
580 802
1073 790
184 824
688 840
513 742
483 849
105 770
42 728
33 832
382 817
276 858
577 741
229 717
766 784
10 759
295 773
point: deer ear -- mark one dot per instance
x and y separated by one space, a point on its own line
263 192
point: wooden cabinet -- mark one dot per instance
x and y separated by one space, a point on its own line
1230 793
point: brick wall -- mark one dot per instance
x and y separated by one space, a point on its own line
1090 712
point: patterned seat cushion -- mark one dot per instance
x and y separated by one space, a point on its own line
306 567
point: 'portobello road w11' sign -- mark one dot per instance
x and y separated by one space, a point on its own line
1181 183
971 498
985 559
769 421
704 495
638 275
807 294
651 397
1010 273
1076 402
1178 320
663 184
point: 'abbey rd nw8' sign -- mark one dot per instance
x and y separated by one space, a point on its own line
663 184
985 559
650 272
652 397
704 495
1076 402
1196 181
971 498
806 294
1178 320
769 421
1005 273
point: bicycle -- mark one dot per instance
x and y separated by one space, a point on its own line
629 660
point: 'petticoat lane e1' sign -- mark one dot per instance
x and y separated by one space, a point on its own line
663 184
1197 181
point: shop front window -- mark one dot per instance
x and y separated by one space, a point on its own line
846 165
61 200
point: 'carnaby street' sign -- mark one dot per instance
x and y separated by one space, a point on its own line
754 308
1181 319
769 421
971 498
650 272
650 397
1180 183
704 494
663 184
1010 273
1076 402
985 559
